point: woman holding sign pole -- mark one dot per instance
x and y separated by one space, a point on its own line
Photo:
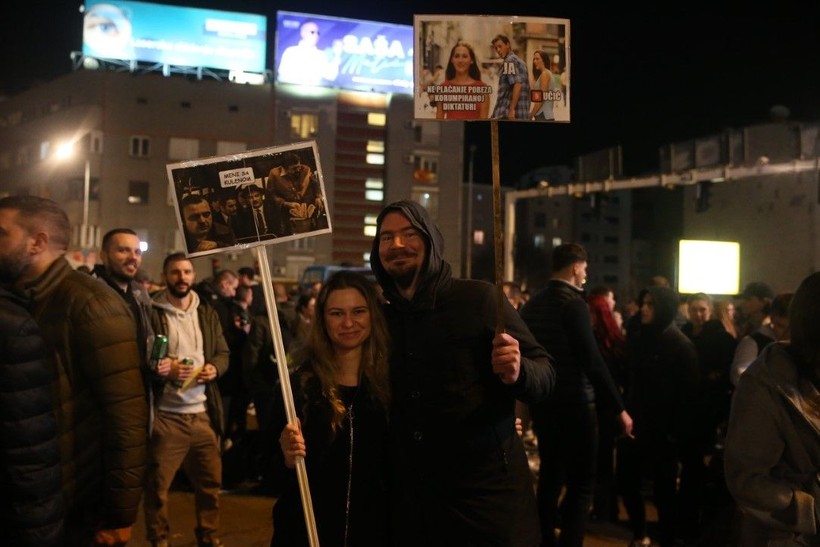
341 394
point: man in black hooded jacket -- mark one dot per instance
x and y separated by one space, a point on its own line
460 472
661 397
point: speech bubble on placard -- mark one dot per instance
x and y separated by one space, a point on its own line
236 177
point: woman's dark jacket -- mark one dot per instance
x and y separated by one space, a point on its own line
461 476
772 456
330 463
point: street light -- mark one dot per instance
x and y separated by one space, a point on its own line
64 151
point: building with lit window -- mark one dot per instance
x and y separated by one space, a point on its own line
127 127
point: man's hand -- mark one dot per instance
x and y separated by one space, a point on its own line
626 424
506 358
207 374
116 536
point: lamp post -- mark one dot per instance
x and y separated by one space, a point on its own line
64 151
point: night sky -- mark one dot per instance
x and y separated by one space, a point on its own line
640 78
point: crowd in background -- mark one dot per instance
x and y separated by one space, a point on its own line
409 392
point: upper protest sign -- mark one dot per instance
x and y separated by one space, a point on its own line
478 67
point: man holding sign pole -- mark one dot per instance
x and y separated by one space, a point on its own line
460 473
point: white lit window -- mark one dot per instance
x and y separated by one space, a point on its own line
183 149
375 159
376 147
478 237
226 148
370 225
374 189
556 241
538 241
377 118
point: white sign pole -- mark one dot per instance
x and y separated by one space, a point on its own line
287 394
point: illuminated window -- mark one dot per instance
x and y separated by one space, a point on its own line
183 149
377 118
478 237
374 189
556 241
425 169
370 225
376 147
539 241
304 125
224 148
375 159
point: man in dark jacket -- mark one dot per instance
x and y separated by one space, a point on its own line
567 423
103 415
31 504
661 397
460 471
121 257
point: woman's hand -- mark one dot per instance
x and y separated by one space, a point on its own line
292 443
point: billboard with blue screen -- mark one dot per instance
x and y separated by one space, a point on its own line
317 50
174 35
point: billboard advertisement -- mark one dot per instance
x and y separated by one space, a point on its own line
254 198
316 50
492 67
173 35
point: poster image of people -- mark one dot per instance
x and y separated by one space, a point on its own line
254 198
479 67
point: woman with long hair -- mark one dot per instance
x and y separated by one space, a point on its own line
612 346
342 396
544 87
772 452
463 73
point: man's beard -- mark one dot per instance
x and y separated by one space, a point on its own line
403 276
405 279
121 276
13 265
179 293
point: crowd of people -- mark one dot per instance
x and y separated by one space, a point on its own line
408 394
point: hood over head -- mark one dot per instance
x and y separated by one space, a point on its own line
667 303
420 219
